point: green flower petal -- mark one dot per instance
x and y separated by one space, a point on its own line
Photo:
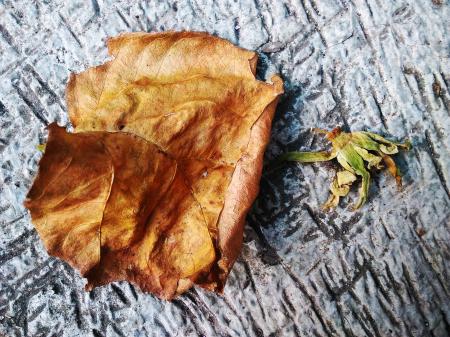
332 202
406 145
353 159
357 163
345 178
364 141
340 191
307 157
341 159
374 161
389 149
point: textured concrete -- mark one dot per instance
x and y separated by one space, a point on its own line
380 65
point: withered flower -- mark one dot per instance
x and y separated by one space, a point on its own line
351 151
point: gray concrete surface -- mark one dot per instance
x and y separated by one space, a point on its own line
379 65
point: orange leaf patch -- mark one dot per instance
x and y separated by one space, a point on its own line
154 185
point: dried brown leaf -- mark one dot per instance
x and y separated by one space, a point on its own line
154 185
